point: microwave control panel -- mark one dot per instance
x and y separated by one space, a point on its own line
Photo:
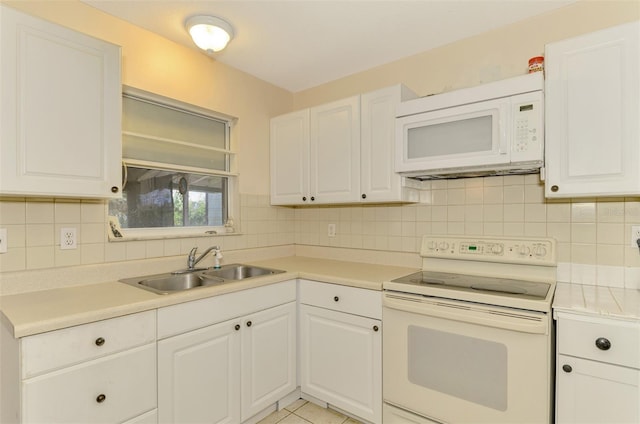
528 133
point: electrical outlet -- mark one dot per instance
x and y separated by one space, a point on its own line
68 238
635 235
3 240
331 230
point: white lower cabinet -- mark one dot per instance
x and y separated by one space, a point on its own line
340 352
228 371
598 370
268 358
102 372
595 392
198 376
108 390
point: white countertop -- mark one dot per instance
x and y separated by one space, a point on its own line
47 310
611 302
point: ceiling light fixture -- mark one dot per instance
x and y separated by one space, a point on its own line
210 33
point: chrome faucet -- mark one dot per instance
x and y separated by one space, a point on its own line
192 261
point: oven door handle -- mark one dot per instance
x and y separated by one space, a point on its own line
492 316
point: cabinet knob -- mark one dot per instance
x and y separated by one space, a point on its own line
336 298
364 196
100 341
114 189
304 198
603 344
249 323
313 198
237 327
567 368
101 398
375 328
554 188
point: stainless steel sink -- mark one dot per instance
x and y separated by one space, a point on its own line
177 282
239 272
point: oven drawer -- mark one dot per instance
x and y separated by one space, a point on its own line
605 340
352 300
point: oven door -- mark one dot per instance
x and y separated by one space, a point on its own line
460 362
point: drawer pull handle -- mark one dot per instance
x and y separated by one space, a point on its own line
249 323
99 341
567 368
603 344
101 398
375 328
237 327
336 298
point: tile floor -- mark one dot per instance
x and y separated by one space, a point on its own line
304 412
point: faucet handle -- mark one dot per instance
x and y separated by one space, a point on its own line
191 260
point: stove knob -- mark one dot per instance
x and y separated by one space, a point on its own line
523 250
540 251
497 249
443 245
432 245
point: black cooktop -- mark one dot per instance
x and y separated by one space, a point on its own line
471 283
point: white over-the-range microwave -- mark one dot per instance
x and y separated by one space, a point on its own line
491 129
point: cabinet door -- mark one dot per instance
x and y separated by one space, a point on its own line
268 357
335 151
61 111
592 106
341 360
198 376
379 182
289 147
596 392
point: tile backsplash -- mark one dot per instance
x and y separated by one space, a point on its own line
593 235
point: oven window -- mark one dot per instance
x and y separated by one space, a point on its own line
465 367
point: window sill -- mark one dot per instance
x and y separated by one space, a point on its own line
137 236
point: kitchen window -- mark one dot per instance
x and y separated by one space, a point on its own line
177 170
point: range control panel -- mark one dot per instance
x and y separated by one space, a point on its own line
535 251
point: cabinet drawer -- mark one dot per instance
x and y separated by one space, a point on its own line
352 300
112 389
56 349
605 340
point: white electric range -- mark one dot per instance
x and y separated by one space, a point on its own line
469 338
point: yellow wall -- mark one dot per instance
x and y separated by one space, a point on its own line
155 64
492 56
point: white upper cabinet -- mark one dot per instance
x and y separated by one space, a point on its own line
591 112
340 152
378 181
335 151
61 111
289 158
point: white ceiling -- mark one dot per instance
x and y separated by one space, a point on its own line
299 44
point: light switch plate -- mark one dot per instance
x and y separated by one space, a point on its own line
3 240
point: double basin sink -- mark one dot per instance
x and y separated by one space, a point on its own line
189 279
